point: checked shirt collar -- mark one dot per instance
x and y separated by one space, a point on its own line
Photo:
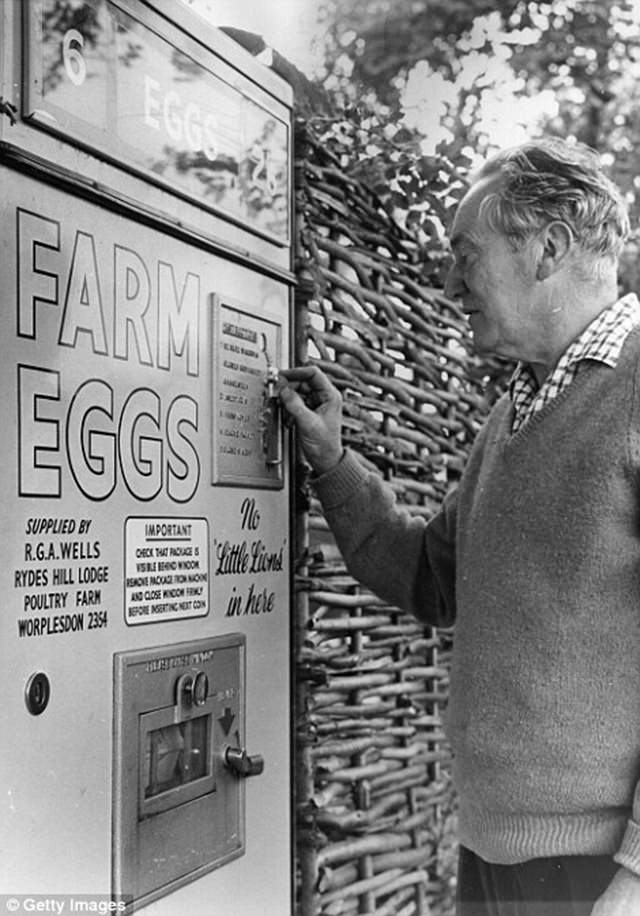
602 341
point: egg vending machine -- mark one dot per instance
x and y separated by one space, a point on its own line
145 193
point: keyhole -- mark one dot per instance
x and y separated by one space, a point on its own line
37 693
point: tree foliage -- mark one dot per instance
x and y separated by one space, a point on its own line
585 51
583 56
385 38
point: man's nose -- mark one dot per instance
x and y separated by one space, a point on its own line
454 284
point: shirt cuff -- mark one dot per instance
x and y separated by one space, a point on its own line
629 853
336 486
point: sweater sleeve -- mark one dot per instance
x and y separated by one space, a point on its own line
402 559
628 854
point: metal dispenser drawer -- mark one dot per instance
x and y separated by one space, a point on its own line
179 763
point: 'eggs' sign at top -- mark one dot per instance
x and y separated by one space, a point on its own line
109 80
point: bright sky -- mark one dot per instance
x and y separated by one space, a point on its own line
287 26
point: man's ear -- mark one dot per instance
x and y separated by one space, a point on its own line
557 241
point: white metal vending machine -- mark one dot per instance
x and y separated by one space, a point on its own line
145 248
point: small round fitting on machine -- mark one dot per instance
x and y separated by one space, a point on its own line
37 693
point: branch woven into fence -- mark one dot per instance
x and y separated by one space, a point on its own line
374 798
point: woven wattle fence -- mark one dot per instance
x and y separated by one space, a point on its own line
375 806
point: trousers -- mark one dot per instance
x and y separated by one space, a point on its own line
562 886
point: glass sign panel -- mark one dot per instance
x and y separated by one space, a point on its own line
106 78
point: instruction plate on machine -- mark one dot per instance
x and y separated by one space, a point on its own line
245 347
167 569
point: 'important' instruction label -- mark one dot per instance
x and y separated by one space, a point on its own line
167 569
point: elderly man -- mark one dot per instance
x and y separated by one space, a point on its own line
536 554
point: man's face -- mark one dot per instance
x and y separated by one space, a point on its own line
497 286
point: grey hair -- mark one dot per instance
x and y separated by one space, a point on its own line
547 180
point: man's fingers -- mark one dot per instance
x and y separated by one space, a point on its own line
314 404
311 376
295 405
311 386
292 400
299 373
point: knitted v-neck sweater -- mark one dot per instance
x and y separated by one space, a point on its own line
536 556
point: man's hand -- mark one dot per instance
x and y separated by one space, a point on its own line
316 407
621 897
